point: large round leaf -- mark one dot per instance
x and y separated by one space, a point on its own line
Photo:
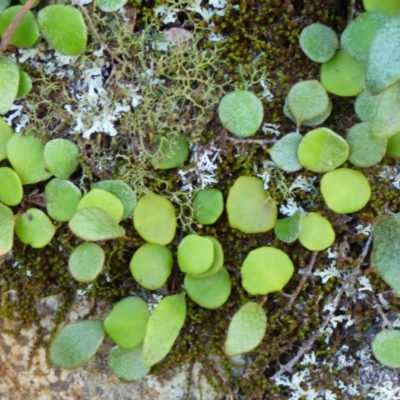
7 222
35 228
163 328
250 208
86 261
25 153
76 343
64 28
154 219
126 323
127 364
94 224
266 270
241 112
246 329
8 84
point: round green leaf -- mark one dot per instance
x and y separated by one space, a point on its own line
246 329
76 343
61 157
126 323
241 113
388 7
27 32
284 152
9 82
35 228
127 364
384 57
319 42
94 224
163 328
4 4
173 151
121 190
250 208
386 250
343 75
195 254
386 347
64 28
209 292
366 105
364 152
306 100
266 270
154 219
151 265
11 191
25 153
62 198
7 222
100 198
288 229
25 84
356 39
86 261
218 261
393 146
322 150
6 133
345 190
209 204
316 232
110 5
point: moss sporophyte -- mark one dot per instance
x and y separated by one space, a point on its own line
144 155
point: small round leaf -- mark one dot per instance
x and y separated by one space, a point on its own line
210 292
86 261
64 28
241 113
126 323
7 222
209 204
266 270
345 190
319 42
11 191
25 84
284 152
9 82
154 219
316 232
6 133
151 265
288 229
62 198
61 157
76 343
386 347
110 5
127 364
246 329
35 228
